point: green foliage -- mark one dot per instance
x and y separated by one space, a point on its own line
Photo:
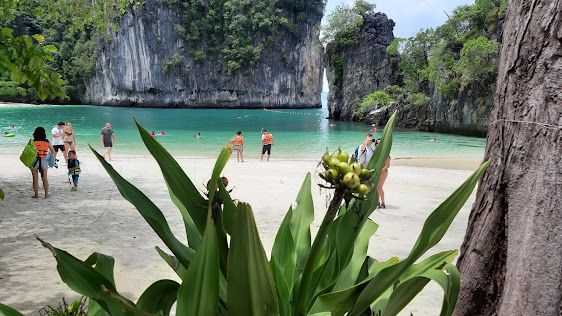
418 99
235 32
478 61
344 21
457 53
28 58
1 194
224 270
173 63
378 97
23 58
337 64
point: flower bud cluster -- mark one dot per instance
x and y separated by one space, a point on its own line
342 172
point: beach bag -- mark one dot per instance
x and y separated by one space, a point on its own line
50 159
29 153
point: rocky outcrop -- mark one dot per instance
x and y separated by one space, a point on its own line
367 68
358 69
146 64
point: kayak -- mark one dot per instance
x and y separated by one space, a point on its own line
10 135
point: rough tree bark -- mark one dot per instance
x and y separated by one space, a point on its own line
511 258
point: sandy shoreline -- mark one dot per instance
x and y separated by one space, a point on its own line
98 219
24 105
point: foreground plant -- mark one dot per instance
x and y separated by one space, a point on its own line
221 275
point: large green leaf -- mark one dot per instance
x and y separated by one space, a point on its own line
104 265
8 311
87 281
199 292
433 230
338 302
251 290
283 251
229 208
159 297
348 276
173 262
283 290
405 292
182 191
149 211
303 215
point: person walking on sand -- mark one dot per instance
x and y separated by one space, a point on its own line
58 141
239 146
364 152
106 135
69 138
41 163
382 178
266 143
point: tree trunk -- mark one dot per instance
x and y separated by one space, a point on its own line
511 258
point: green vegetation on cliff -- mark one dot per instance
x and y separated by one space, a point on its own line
461 52
238 32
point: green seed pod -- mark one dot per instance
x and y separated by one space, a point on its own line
363 189
333 162
356 168
343 167
332 174
351 180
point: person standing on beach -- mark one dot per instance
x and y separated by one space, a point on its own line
106 135
69 138
58 142
41 163
239 146
382 178
364 151
266 143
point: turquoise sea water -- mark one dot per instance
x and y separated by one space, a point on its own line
297 133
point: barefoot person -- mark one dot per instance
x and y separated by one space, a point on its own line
69 138
107 135
266 143
58 140
382 178
40 164
239 146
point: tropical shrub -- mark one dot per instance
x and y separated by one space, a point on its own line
222 275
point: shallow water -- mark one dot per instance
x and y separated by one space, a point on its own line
297 133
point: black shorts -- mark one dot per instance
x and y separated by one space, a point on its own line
110 144
57 147
266 147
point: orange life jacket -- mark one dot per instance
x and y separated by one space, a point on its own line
42 148
268 139
238 140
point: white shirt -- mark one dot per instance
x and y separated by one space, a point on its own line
58 140
365 156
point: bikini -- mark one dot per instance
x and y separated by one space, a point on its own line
70 142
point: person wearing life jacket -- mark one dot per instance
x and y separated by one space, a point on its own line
41 163
266 143
239 146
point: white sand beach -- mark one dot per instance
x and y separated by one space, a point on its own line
96 218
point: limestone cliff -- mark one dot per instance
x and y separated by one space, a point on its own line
147 64
366 67
356 70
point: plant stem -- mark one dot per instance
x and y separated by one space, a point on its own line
302 297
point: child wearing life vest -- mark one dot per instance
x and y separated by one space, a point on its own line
73 168
239 146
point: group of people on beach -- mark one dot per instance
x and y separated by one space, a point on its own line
239 145
64 140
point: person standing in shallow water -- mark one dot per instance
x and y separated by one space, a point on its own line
239 146
266 143
382 178
107 135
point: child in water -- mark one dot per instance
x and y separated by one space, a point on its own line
73 168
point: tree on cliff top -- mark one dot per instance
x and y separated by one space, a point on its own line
23 57
345 18
510 262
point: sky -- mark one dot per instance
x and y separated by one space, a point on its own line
409 15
